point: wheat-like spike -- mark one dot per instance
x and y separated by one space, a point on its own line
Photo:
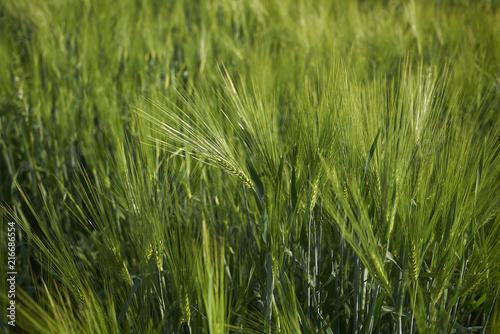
379 269
440 282
187 189
77 290
184 304
124 273
230 168
346 193
379 276
150 252
413 262
275 271
469 284
314 194
159 256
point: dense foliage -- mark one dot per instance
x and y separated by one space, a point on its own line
251 166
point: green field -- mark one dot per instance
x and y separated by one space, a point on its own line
250 166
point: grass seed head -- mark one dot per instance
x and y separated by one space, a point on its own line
184 305
314 194
413 262
231 169
470 283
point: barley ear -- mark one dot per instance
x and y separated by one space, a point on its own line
346 192
469 284
231 169
413 262
275 272
184 305
123 271
381 275
314 194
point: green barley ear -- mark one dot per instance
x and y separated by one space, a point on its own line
346 192
149 255
231 169
159 255
314 194
469 284
187 189
275 272
124 273
381 275
443 276
413 262
184 305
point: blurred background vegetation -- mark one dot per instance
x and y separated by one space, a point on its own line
117 232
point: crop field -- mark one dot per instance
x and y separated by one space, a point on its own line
250 166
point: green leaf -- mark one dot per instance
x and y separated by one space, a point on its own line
125 307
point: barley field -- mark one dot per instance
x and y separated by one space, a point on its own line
250 166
